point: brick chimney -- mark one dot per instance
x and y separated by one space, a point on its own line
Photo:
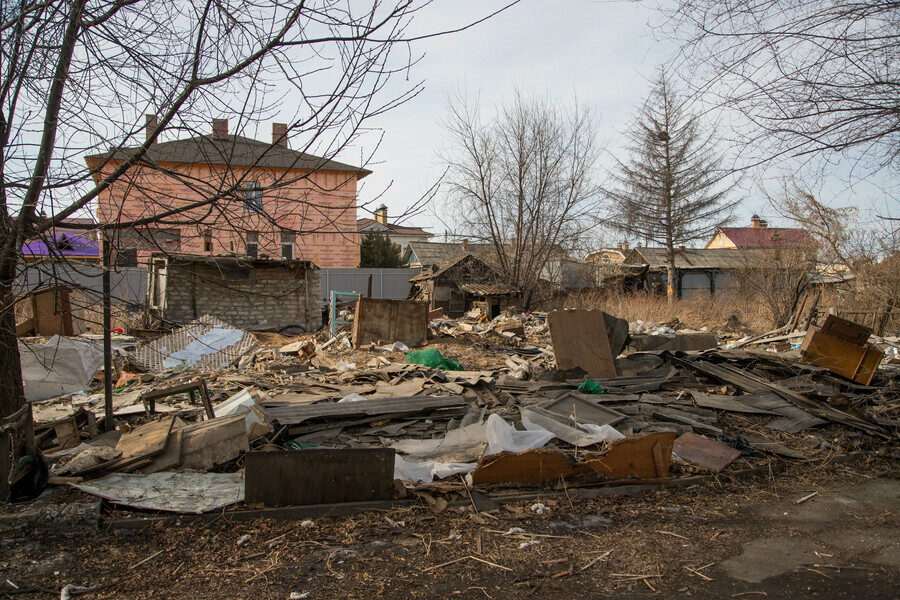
220 129
465 244
381 215
623 245
754 222
763 224
280 134
150 125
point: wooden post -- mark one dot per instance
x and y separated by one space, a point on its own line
107 337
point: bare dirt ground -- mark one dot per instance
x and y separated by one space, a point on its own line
724 539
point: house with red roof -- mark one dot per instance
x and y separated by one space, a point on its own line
760 235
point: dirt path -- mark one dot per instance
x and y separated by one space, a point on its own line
743 539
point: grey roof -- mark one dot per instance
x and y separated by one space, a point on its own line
698 258
436 253
234 151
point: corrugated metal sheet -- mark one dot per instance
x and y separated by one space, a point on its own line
152 356
127 285
386 283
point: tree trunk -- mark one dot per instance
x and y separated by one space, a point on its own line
12 393
672 276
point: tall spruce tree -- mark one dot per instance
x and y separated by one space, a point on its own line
671 189
376 251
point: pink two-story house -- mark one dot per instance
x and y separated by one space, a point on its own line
238 196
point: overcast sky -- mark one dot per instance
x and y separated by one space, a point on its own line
603 51
600 51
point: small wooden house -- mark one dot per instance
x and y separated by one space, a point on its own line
462 284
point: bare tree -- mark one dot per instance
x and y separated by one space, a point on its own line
810 76
77 78
522 180
672 189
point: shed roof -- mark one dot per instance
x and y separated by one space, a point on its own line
62 244
233 151
365 223
698 258
429 254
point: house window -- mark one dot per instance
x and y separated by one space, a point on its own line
287 246
252 244
253 197
127 258
207 241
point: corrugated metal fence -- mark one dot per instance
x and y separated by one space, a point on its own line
126 285
130 285
386 283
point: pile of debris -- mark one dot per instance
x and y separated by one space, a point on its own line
210 416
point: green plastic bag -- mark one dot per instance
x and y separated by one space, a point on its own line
432 358
590 387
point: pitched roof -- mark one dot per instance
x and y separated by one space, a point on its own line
435 253
62 244
234 151
769 237
366 222
698 258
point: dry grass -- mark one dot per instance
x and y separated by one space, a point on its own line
709 311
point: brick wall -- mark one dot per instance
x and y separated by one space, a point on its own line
245 297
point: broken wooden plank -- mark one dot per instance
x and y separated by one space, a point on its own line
580 339
646 457
729 403
379 319
288 413
704 452
318 476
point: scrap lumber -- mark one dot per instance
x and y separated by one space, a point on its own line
392 320
754 384
580 339
319 476
704 452
288 413
841 347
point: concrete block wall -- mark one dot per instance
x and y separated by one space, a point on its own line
267 296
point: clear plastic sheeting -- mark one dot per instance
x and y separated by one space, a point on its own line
503 437
60 366
427 471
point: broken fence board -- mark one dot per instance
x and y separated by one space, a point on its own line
379 319
580 339
319 476
288 413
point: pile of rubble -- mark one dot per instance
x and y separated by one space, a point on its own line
210 416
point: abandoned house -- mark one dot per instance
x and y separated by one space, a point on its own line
699 270
287 204
401 235
244 292
462 284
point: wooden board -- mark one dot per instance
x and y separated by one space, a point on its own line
52 312
146 440
705 452
379 319
642 458
841 357
646 457
169 458
318 476
214 442
729 403
580 339
848 331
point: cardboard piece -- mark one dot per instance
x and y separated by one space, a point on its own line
580 339
379 319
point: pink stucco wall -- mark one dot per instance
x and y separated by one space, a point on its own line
320 208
